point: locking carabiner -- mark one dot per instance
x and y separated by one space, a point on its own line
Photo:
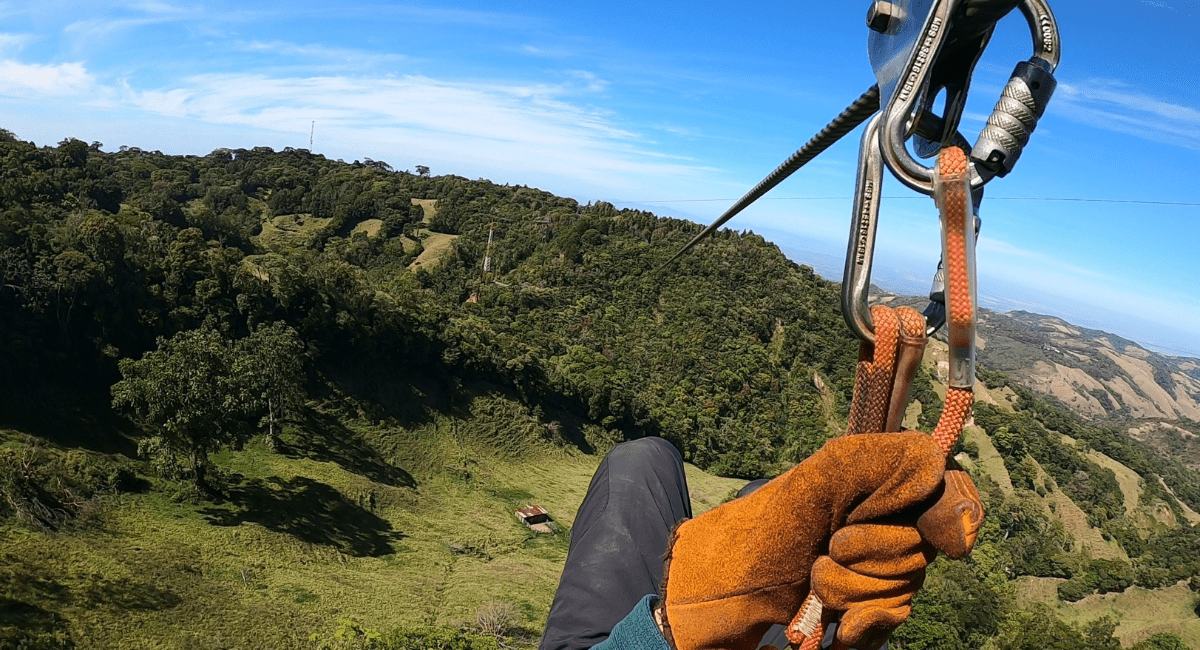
1015 116
906 114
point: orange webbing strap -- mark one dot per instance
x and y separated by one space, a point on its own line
885 370
878 390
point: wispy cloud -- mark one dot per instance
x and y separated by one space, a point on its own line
98 29
527 126
24 79
546 52
1115 106
11 43
1045 274
101 25
412 14
591 81
321 53
996 247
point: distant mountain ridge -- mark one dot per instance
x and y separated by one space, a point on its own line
1098 374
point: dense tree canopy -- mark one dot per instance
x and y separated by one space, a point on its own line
723 355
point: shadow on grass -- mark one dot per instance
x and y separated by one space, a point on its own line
80 422
308 510
28 616
125 594
324 438
380 391
25 625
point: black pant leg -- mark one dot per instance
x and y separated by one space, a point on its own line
637 496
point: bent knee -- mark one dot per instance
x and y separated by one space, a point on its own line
650 450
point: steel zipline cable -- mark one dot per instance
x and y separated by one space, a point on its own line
855 114
925 198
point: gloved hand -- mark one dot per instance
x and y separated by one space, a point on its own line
736 570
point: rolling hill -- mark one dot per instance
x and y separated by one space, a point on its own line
430 397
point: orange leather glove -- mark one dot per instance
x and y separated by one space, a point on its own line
843 523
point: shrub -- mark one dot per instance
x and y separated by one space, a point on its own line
1161 641
496 617
436 638
1074 589
45 488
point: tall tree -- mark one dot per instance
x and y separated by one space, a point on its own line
270 363
188 393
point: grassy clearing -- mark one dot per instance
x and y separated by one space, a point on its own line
912 416
1128 479
1191 515
429 206
1055 503
989 458
1140 613
369 226
708 491
1040 590
290 230
1074 520
436 245
394 526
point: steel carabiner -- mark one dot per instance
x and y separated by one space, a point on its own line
1013 119
860 248
905 113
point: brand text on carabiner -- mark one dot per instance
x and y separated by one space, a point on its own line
1047 33
864 223
914 74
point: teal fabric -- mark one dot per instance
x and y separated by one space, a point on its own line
636 631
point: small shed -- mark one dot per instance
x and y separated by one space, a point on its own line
538 520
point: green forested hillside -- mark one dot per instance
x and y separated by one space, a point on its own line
107 252
376 403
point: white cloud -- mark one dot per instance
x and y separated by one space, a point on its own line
520 126
38 79
1114 106
413 14
593 83
321 52
85 33
10 43
547 52
994 247
1047 275
97 29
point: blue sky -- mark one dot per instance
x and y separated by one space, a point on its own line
676 107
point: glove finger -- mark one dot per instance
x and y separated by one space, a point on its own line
840 588
952 524
881 550
868 625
